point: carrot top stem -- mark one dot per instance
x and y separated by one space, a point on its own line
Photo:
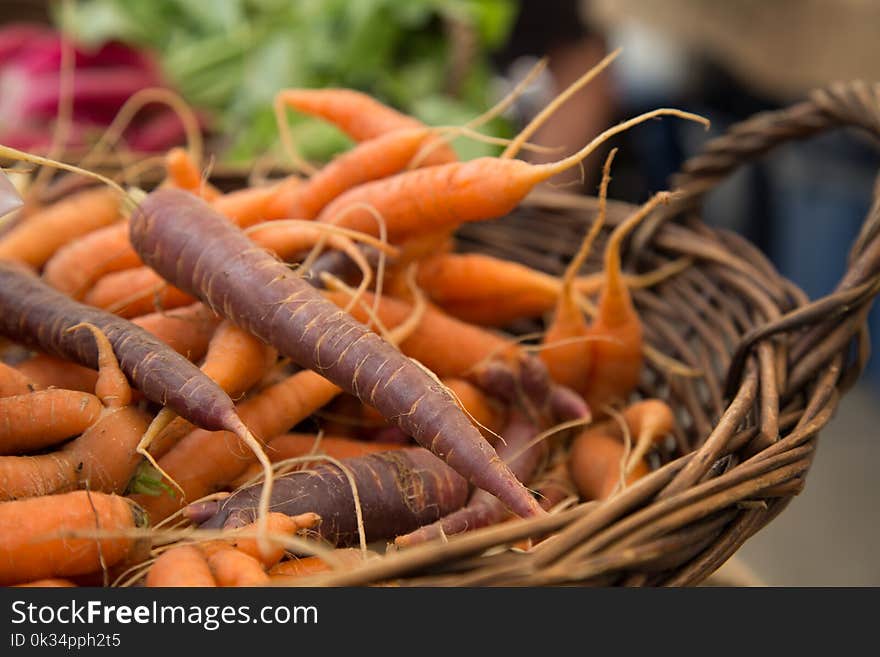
135 103
518 142
15 154
543 172
574 266
614 282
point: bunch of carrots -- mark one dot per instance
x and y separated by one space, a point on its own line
206 388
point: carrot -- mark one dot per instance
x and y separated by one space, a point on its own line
445 196
236 361
358 115
377 158
484 411
301 567
13 382
135 292
75 267
53 582
205 462
277 523
250 206
140 290
36 313
225 271
103 458
188 330
555 485
448 347
182 565
47 371
498 291
46 417
232 567
486 359
482 509
567 347
35 240
595 464
398 491
296 445
34 543
649 421
183 173
617 336
481 289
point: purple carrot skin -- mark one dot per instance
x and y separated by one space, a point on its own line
199 251
398 491
482 509
38 315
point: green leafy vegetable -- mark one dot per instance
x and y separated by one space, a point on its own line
232 56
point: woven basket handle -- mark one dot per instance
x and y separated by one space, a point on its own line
853 104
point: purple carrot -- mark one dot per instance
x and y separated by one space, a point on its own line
482 509
398 491
201 252
35 314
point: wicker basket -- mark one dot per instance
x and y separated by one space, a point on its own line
774 368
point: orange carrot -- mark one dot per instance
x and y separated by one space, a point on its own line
183 172
448 347
616 346
35 240
187 330
135 292
53 583
250 206
485 412
497 291
104 458
183 565
13 382
445 196
595 464
344 557
34 543
489 291
236 361
649 421
277 523
204 461
46 417
567 348
358 115
50 371
232 567
75 267
376 158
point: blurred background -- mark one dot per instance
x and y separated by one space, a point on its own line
445 61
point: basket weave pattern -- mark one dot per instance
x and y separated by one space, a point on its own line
773 368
